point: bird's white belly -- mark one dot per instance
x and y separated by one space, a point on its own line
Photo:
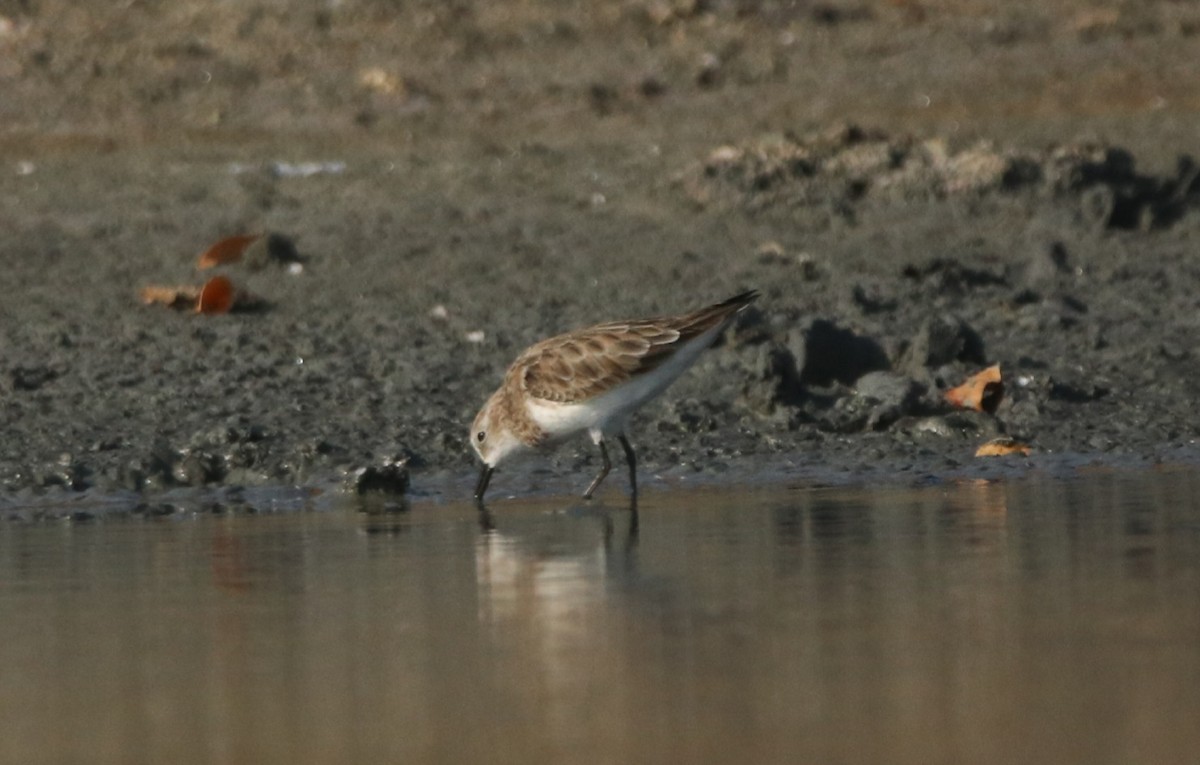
559 421
604 413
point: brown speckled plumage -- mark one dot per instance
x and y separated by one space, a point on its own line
574 367
509 408
591 380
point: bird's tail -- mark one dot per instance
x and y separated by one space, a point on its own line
701 321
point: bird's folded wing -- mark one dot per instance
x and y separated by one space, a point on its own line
580 365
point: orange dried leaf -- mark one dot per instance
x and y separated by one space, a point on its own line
999 447
981 392
173 297
227 250
216 296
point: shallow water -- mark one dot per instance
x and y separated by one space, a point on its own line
1053 621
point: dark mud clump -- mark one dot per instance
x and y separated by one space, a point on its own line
847 356
846 167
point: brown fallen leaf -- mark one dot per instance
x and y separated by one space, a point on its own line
183 296
216 296
981 392
999 447
227 250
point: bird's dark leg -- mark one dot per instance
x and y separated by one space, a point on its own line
603 471
630 458
485 476
486 524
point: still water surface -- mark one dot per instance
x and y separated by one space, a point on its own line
980 622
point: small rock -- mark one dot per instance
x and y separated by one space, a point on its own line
1076 392
891 395
709 74
771 253
198 467
961 423
272 249
31 378
809 271
941 340
1172 351
1047 265
695 416
772 382
871 300
651 87
389 477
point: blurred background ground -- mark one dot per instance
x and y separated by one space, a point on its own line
520 168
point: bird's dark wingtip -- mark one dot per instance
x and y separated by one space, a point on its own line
742 300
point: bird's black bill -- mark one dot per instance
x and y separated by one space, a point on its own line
485 476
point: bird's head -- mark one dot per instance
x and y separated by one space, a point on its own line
492 436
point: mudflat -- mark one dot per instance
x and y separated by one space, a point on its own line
919 191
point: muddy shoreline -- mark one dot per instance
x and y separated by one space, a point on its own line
918 193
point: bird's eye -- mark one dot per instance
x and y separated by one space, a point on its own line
481 436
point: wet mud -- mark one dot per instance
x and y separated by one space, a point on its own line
919 192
